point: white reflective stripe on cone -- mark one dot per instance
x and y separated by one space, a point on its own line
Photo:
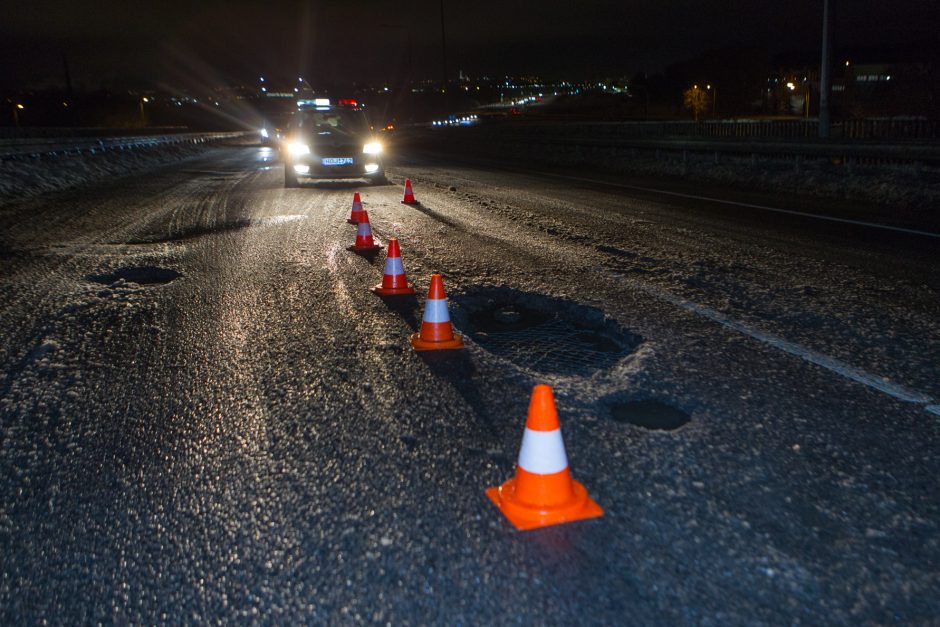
393 265
364 229
542 452
436 311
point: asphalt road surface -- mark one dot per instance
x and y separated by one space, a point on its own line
208 416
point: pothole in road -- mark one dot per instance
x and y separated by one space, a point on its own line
616 252
195 231
542 333
192 232
142 275
649 414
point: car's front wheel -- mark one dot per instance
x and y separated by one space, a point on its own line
290 178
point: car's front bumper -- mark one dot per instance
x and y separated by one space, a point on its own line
313 166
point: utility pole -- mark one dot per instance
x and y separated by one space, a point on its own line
825 78
443 52
68 75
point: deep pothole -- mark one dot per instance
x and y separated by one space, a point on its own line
649 414
541 333
200 230
142 275
192 232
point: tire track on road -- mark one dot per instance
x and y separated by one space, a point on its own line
35 292
836 366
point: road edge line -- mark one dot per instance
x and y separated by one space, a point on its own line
831 364
805 214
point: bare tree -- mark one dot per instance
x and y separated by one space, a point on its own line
696 100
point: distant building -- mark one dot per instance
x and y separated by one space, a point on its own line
858 91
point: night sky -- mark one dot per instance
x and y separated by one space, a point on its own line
172 43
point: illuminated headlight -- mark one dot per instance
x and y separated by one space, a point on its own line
302 169
372 148
296 149
264 133
372 168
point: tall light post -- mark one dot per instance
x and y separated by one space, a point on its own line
443 52
825 79
807 92
16 113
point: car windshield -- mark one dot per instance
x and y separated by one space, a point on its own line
333 121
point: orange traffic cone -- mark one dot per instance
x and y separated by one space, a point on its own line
543 493
364 241
357 212
394 282
409 198
436 330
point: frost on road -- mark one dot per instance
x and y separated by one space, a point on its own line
208 415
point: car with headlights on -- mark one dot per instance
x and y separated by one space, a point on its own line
327 140
273 129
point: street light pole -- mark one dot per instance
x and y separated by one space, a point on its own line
825 79
443 52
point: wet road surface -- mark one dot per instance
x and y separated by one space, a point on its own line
207 414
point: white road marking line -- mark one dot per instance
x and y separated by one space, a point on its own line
829 363
833 365
794 212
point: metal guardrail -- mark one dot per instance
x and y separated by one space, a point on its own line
841 151
27 133
32 148
869 129
583 139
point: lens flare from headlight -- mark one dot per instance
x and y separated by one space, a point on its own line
297 149
372 148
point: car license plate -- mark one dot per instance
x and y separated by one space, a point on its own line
337 160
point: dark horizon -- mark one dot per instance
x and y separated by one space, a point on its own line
176 45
